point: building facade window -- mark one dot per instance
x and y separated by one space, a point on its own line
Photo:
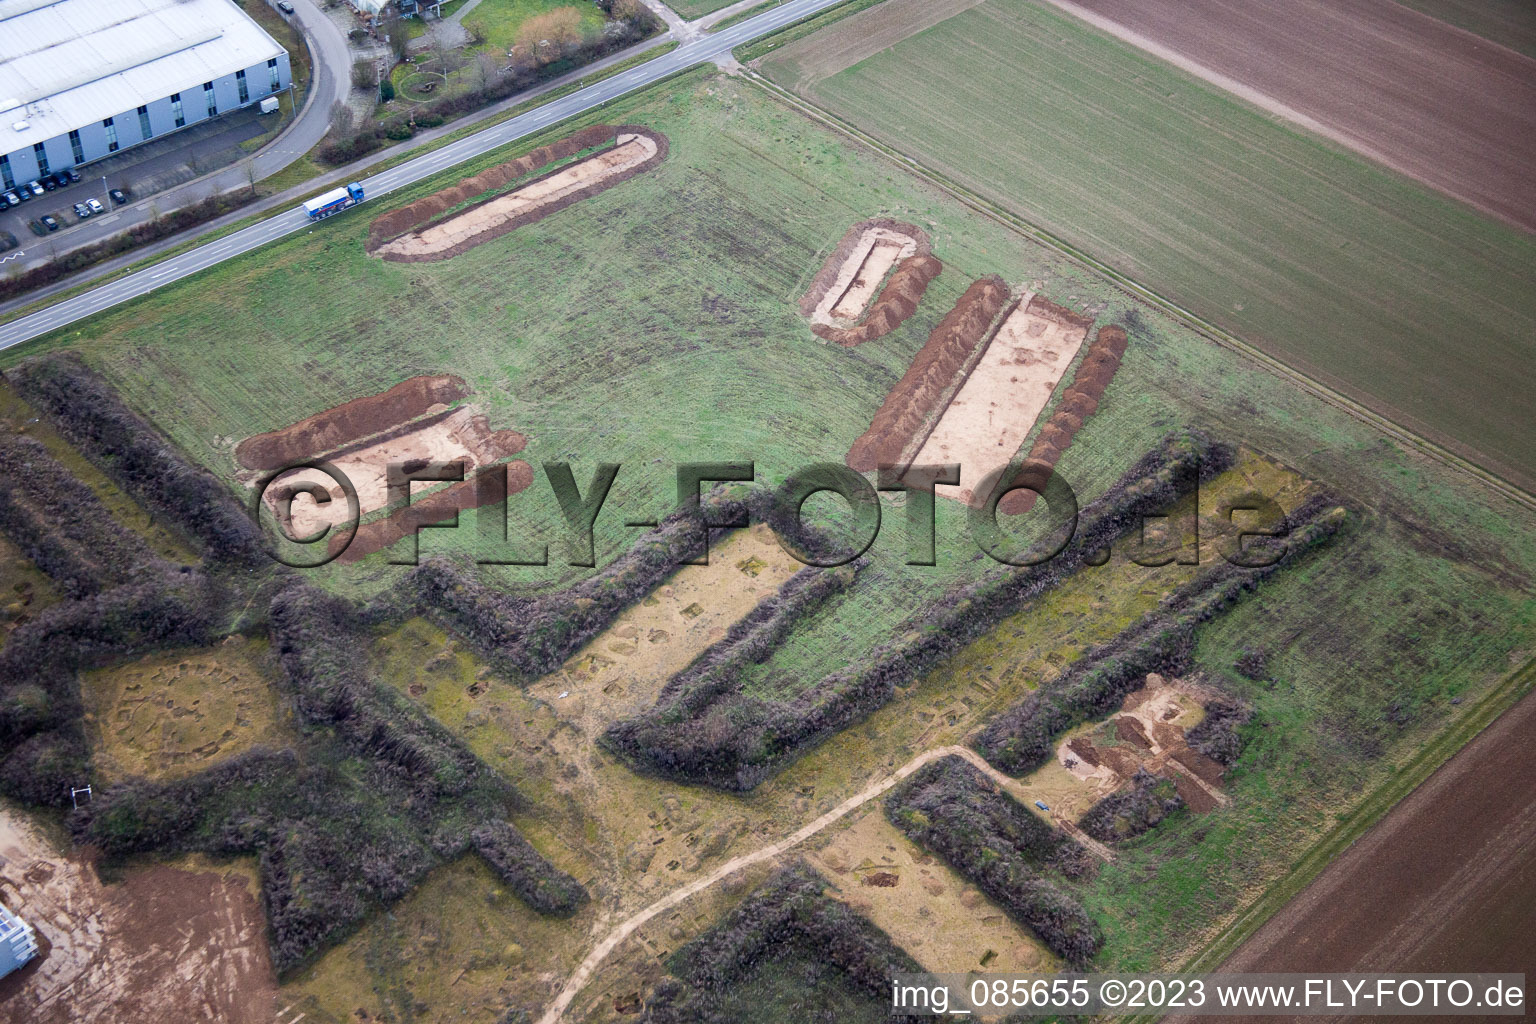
144 129
5 171
177 113
208 98
245 90
111 135
75 147
42 157
272 73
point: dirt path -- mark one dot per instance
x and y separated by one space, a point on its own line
622 931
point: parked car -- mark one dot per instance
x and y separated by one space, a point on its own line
95 205
61 179
50 222
82 211
12 199
285 6
48 182
35 187
118 196
74 175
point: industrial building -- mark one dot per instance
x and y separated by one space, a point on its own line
18 944
84 79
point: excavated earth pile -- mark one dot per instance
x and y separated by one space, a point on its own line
411 235
994 409
1077 404
928 381
846 303
409 426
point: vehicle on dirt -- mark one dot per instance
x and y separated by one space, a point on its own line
118 196
50 222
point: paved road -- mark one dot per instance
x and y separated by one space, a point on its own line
697 51
330 82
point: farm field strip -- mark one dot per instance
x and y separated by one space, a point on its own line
1473 136
1303 251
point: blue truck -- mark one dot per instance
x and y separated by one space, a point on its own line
334 201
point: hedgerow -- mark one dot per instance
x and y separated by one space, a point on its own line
91 416
1002 848
1133 810
790 909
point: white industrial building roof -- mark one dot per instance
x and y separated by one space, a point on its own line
65 64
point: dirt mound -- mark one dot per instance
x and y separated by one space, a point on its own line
1078 402
942 359
439 506
636 150
848 271
394 223
359 418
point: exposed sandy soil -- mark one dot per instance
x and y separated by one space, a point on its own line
481 223
172 714
165 944
1441 884
622 670
935 372
350 422
861 273
1147 733
986 422
923 905
462 435
1414 93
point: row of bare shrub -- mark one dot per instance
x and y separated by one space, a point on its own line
143 233
1021 738
1077 403
91 416
340 148
931 376
1002 848
735 740
394 223
44 746
530 636
790 910
1137 808
1217 735
62 526
536 881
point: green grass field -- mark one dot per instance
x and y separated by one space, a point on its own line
497 21
655 323
1342 269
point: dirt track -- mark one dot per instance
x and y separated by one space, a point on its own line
1442 883
1412 92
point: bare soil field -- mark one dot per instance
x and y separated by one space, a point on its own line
1468 130
166 943
635 151
1510 23
988 419
623 669
1442 883
921 903
173 714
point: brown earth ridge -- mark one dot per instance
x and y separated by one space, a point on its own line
898 299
